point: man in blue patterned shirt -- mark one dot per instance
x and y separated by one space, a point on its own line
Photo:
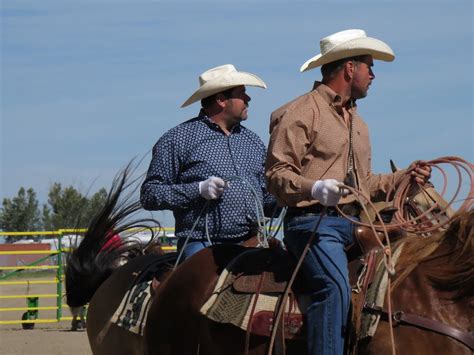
210 170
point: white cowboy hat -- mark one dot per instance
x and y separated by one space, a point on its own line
220 79
347 44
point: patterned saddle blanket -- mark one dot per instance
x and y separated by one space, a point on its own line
133 309
132 312
249 292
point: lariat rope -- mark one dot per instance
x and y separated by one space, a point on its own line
203 209
262 234
405 186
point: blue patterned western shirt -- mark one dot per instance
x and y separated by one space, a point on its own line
192 152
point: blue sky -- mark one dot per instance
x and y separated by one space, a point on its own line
88 85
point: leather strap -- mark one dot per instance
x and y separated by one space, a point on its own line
400 317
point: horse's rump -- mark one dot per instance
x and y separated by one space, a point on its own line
103 334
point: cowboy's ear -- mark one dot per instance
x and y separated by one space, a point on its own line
221 100
349 68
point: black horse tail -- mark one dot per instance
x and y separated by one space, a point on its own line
101 252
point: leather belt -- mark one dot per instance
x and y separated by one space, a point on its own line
350 209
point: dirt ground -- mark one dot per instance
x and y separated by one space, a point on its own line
45 338
53 340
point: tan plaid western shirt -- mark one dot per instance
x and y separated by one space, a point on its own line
310 141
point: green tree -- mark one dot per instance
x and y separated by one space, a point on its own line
20 213
70 209
67 207
46 218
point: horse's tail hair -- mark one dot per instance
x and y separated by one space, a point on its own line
92 261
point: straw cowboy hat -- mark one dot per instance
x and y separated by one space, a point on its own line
347 44
220 79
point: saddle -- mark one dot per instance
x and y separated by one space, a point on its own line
250 290
265 271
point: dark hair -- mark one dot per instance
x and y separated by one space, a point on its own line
330 69
209 101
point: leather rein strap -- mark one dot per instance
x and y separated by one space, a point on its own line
400 317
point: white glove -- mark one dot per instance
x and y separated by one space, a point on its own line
327 192
212 188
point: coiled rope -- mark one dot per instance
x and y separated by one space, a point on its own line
433 219
430 220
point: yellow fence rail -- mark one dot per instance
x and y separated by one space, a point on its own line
30 317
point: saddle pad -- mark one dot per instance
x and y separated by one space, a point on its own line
229 306
131 314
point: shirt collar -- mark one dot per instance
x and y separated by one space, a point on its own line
332 98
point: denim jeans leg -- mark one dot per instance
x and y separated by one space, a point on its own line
325 267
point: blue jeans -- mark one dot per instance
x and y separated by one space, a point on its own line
194 246
325 267
191 248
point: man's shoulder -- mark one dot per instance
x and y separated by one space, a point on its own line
302 108
184 127
180 134
303 102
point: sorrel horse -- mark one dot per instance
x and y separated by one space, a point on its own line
436 282
438 269
100 270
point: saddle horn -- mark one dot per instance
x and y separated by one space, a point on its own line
393 166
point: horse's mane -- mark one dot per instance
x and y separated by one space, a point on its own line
448 257
92 261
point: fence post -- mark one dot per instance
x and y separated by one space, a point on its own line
59 276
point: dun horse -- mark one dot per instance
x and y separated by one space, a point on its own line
94 273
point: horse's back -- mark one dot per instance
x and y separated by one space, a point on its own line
105 337
174 324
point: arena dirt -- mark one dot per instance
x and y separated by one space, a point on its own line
44 339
